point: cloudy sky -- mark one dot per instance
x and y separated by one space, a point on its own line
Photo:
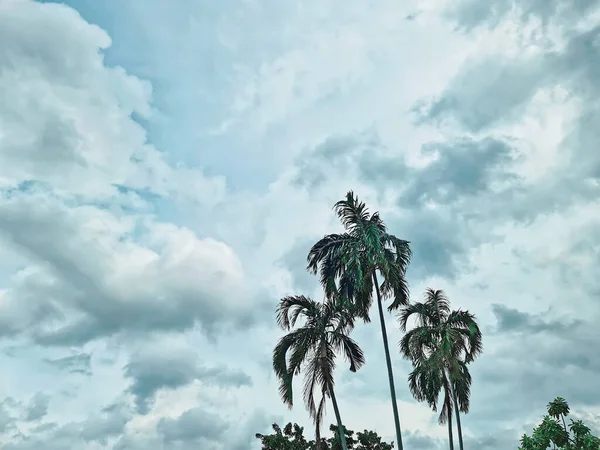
165 166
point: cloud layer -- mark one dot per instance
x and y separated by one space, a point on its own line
164 170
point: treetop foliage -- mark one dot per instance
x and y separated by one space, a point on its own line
291 437
553 431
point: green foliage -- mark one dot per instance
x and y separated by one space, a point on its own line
369 440
551 432
292 438
558 408
347 263
312 348
350 263
440 346
353 265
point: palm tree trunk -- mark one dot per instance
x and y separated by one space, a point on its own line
389 364
453 396
564 424
457 413
450 436
338 418
448 400
318 445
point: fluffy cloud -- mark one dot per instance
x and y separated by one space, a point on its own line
192 425
439 205
98 281
67 117
166 367
99 429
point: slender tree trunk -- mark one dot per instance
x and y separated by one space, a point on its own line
450 436
564 424
457 413
318 445
453 397
389 364
339 420
447 386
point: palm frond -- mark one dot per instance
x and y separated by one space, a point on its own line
301 349
330 244
319 418
311 348
558 407
401 249
464 320
311 380
352 212
350 349
425 383
394 283
439 302
356 304
418 343
442 340
292 307
461 381
284 372
425 315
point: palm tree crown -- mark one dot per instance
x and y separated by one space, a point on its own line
455 333
347 262
312 348
440 346
558 407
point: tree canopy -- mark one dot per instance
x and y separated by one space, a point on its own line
291 437
553 431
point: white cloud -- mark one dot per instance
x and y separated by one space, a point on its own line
89 278
67 116
151 287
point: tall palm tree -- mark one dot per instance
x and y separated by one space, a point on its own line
350 263
440 346
312 348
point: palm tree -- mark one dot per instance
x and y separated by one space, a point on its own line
349 265
429 378
559 409
312 347
441 345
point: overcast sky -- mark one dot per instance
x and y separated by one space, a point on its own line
165 166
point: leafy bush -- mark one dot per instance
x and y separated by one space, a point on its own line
553 431
291 437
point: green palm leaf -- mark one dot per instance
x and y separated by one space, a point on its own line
440 345
317 331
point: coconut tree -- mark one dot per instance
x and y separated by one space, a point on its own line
311 348
440 346
351 265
